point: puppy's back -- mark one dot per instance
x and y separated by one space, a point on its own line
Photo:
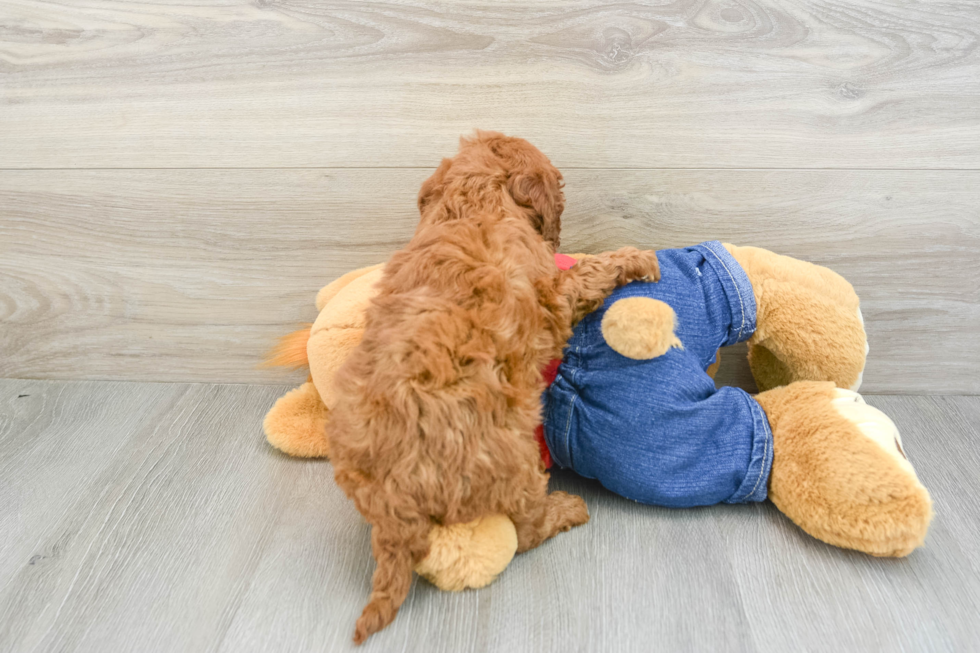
445 383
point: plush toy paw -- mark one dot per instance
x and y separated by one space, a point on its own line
805 335
640 328
873 424
895 485
839 471
297 422
867 350
470 554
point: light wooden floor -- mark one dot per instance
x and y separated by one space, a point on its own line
153 517
178 178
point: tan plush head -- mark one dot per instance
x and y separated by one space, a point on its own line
338 330
493 170
296 424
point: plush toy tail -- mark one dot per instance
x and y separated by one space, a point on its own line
291 350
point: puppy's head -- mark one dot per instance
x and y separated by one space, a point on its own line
520 170
532 182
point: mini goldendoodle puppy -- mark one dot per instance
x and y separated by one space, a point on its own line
437 407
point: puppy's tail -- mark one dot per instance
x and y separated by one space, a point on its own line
291 350
391 582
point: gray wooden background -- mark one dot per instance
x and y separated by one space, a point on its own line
178 179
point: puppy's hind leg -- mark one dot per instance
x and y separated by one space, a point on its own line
549 515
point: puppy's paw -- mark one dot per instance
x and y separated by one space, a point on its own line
571 510
635 265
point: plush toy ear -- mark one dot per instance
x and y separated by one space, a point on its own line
540 191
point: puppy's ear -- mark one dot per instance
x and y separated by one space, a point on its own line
539 190
432 187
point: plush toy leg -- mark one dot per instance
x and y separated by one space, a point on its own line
296 424
469 555
809 325
840 473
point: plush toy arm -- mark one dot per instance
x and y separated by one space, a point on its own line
339 327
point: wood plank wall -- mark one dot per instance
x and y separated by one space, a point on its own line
177 179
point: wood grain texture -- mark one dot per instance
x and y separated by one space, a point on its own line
692 83
150 539
153 517
839 600
177 275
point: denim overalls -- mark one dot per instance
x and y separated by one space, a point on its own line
657 431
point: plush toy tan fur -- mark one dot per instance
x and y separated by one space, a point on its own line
838 470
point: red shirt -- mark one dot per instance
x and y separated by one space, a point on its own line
550 372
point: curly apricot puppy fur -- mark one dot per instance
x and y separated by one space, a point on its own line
437 407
